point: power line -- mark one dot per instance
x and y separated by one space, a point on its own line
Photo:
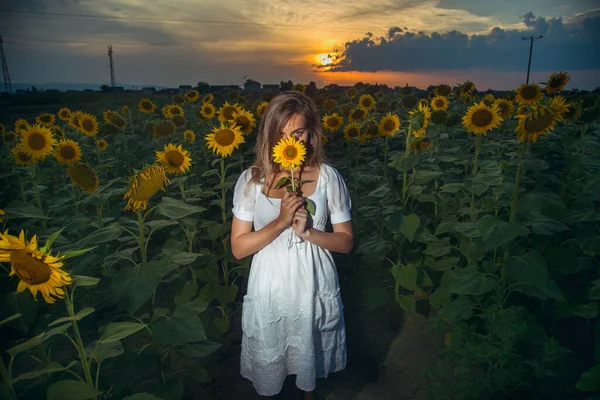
531 39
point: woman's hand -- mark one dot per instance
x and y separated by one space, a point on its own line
290 203
300 221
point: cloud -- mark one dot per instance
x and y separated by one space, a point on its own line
565 46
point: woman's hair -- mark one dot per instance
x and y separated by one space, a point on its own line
278 113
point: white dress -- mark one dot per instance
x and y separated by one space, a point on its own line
292 315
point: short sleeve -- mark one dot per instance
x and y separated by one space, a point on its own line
338 198
244 197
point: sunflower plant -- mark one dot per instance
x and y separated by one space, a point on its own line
290 153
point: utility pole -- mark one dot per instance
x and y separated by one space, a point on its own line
7 84
531 39
113 82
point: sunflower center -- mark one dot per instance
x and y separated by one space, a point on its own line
482 118
46 118
290 152
331 122
353 132
225 137
228 112
24 156
87 125
555 82
146 105
174 158
358 114
439 103
529 92
206 110
366 103
540 123
243 122
37 141
67 152
28 268
389 125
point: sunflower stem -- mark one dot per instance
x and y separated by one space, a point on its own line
515 195
385 150
405 174
141 239
85 365
7 380
475 170
38 200
224 216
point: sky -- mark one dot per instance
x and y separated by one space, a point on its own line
393 42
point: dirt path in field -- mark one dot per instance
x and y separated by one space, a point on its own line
386 354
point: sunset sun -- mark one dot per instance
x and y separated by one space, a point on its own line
325 59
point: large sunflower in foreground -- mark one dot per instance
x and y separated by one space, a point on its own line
45 119
22 159
289 152
332 122
352 132
480 118
528 93
146 106
245 120
557 82
539 121
389 125
224 139
88 124
37 269
67 152
175 159
439 103
83 176
226 111
366 102
144 185
37 141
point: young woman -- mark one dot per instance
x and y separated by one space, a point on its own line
292 315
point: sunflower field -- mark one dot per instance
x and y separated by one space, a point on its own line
118 281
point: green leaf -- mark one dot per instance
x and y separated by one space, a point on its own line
528 268
75 253
115 331
134 285
103 235
190 289
468 229
81 280
26 345
71 390
404 163
310 205
543 225
408 227
201 349
381 191
21 209
102 351
587 311
159 224
81 314
183 326
225 294
173 208
452 187
11 318
142 396
407 303
210 172
47 369
50 240
438 249
590 380
496 233
470 281
422 177
405 275
286 180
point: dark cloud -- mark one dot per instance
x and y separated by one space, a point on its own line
565 46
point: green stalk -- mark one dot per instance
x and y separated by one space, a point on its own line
515 195
385 157
141 239
85 364
404 176
475 170
38 199
224 216
7 380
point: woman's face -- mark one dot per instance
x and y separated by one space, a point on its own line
296 128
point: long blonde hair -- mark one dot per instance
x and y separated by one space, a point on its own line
278 113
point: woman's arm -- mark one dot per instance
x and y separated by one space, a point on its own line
245 242
341 240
